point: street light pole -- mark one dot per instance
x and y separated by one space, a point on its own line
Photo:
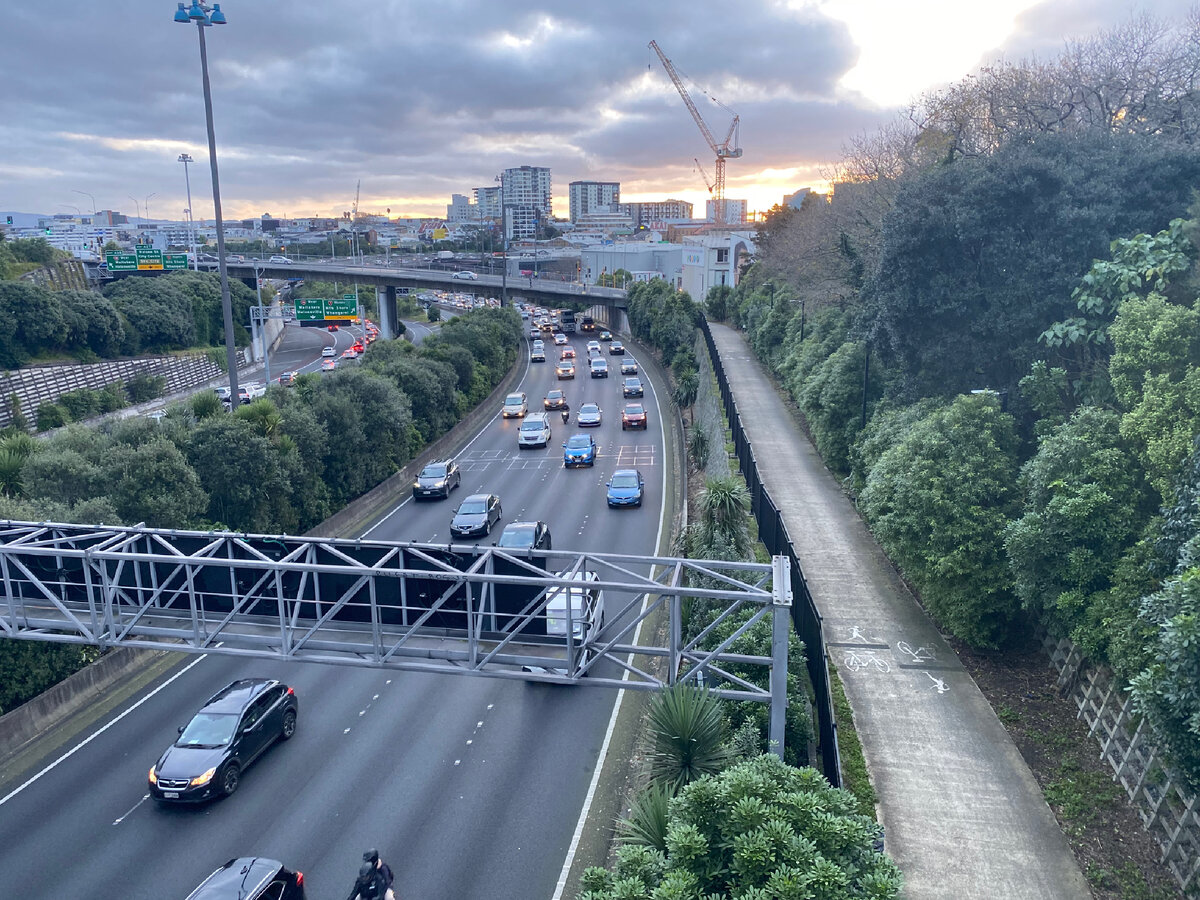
86 194
186 158
199 14
503 246
136 206
146 205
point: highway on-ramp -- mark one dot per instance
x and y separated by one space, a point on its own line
470 787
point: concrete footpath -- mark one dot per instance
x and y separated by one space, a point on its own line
964 816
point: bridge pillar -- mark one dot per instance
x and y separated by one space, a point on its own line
387 313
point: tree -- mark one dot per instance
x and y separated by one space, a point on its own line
724 503
158 313
154 484
760 829
939 502
63 474
240 471
1086 503
717 301
686 391
33 322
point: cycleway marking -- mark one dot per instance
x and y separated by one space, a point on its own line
95 734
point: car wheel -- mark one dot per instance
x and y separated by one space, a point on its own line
289 725
231 777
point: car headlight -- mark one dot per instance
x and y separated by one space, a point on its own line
204 779
153 775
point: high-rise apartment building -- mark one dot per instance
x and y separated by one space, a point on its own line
459 209
735 211
527 200
487 201
589 196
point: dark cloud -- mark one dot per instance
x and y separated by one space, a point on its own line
417 100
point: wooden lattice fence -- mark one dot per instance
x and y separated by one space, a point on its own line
1167 808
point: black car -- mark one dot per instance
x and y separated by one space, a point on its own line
437 479
230 731
251 878
525 536
476 515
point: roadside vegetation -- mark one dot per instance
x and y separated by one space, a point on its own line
281 464
991 329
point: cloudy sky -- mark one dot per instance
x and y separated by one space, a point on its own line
420 100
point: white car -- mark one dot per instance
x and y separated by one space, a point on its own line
328 351
279 259
594 345
560 339
515 406
465 275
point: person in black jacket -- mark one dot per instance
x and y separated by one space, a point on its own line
369 885
372 856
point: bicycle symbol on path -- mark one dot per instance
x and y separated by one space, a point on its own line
862 659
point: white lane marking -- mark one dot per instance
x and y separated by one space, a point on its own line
129 812
467 446
612 720
95 734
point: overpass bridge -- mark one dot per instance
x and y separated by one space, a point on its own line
389 280
463 609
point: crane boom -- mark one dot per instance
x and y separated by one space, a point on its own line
675 79
721 151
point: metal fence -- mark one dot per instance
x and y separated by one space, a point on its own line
1168 809
773 533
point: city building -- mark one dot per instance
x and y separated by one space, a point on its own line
460 209
735 211
714 258
598 226
527 200
795 200
589 196
487 201
656 214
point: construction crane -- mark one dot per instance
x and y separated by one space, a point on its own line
354 216
699 168
722 151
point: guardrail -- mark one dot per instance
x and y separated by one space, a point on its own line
773 533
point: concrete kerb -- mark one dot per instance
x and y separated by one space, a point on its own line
30 720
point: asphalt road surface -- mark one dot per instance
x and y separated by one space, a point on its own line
470 787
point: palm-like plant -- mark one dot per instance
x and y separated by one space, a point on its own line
723 506
648 820
263 415
11 464
686 391
206 404
689 736
698 447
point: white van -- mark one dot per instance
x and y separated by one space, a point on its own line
587 607
534 431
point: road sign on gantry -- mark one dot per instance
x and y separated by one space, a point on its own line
310 310
121 262
344 308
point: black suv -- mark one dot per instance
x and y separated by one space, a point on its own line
251 878
231 730
437 479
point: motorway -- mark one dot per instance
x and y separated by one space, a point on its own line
470 787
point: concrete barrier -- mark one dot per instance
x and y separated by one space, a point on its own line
47 709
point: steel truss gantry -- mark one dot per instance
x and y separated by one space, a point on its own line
458 608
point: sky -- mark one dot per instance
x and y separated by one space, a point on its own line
421 100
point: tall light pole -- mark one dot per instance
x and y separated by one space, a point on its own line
86 194
186 158
146 205
504 245
200 14
136 205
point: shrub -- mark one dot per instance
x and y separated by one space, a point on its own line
80 404
145 387
51 415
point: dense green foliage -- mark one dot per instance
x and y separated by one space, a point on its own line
992 328
760 829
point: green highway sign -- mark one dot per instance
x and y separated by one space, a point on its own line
346 308
175 261
148 259
121 262
317 309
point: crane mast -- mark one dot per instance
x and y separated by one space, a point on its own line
721 151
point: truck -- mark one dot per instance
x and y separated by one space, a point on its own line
587 323
567 321
445 254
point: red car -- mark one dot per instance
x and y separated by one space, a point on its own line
634 416
358 346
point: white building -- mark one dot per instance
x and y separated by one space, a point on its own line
657 214
589 196
527 200
460 209
713 259
489 199
598 226
735 211
647 260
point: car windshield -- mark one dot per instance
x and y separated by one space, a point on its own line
434 471
554 395
633 409
579 442
513 400
517 537
625 480
473 507
589 408
208 730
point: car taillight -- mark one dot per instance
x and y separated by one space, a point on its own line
299 879
291 692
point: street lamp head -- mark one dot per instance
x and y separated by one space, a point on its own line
217 17
181 15
185 157
197 14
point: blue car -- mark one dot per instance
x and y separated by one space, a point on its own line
626 488
579 450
